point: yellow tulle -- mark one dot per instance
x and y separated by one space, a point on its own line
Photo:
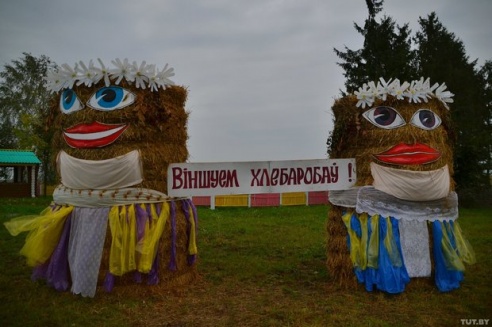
127 253
465 250
354 240
44 233
150 242
459 252
452 260
363 241
390 245
373 249
360 248
192 248
122 223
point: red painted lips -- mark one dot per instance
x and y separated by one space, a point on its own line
94 135
409 154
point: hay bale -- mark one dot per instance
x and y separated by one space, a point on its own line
338 257
157 127
185 272
355 137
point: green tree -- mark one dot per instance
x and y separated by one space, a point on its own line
386 52
24 106
442 57
390 51
486 73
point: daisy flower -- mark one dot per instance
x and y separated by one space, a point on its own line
373 89
86 74
443 95
416 91
397 90
383 88
101 73
55 81
426 89
164 75
69 75
153 79
365 97
123 70
140 74
412 93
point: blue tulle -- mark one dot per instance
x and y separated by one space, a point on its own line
446 279
378 260
391 275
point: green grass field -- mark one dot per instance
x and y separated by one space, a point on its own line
258 267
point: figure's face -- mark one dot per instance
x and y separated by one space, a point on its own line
103 122
92 133
407 135
393 133
105 118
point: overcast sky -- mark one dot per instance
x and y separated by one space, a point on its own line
261 74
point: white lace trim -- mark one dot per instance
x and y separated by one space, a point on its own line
344 198
374 202
103 198
414 240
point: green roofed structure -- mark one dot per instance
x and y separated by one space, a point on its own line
18 173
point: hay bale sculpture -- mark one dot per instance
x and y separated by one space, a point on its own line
111 222
403 207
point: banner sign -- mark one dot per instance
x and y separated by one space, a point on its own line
225 178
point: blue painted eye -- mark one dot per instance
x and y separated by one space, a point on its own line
425 119
111 98
69 102
384 117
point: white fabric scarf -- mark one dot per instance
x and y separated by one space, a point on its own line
412 185
115 173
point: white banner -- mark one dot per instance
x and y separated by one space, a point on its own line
225 178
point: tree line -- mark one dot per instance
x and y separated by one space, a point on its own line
391 51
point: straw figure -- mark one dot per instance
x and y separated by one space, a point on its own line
111 224
400 219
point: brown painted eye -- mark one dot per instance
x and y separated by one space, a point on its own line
384 117
425 119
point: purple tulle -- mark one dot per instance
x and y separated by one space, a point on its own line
137 277
40 271
108 284
195 215
56 270
186 205
153 277
172 262
142 217
192 258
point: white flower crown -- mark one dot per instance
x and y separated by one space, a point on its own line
142 75
415 91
